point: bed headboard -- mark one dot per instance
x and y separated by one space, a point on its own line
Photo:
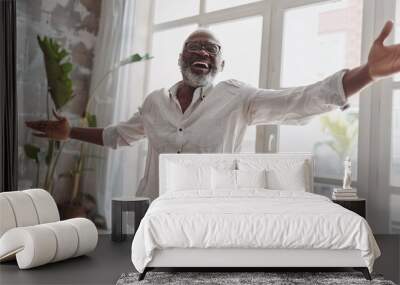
277 161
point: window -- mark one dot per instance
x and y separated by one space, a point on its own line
312 35
168 10
242 61
167 44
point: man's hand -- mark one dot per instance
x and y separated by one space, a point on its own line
56 130
383 60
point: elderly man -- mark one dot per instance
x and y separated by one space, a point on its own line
195 116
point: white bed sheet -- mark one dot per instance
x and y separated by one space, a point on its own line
250 218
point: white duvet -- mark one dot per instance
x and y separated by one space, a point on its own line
251 218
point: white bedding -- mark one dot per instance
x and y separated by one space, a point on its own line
251 218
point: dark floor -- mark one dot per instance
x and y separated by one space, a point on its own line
110 260
102 266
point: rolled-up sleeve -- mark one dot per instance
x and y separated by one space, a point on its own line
296 105
124 133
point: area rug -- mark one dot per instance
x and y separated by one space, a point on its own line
244 278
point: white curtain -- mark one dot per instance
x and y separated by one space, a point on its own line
123 31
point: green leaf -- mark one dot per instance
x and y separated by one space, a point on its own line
91 119
58 69
136 57
32 151
147 56
67 67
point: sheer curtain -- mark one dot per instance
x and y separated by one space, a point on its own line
123 31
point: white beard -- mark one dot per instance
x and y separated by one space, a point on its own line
196 80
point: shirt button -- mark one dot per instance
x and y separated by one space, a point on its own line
180 129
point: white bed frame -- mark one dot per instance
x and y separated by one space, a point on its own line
250 257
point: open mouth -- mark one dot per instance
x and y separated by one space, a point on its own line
200 66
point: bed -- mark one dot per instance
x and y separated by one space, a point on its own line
247 211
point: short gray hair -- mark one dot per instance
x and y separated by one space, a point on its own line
201 31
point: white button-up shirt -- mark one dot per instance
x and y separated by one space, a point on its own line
217 118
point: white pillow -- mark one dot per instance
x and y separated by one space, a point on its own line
229 179
293 180
223 179
184 177
251 178
283 174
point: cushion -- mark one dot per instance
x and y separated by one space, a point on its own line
293 180
181 177
251 178
23 208
45 205
223 179
7 220
26 208
230 179
281 174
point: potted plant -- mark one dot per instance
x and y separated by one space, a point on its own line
60 91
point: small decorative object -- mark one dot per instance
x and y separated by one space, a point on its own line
346 192
347 174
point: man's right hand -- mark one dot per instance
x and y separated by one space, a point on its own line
56 130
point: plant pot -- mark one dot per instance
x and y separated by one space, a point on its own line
69 211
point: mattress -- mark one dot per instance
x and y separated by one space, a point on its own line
250 218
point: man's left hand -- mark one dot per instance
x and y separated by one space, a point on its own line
383 60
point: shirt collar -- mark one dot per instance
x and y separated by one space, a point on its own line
199 90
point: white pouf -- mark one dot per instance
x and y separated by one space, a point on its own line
31 232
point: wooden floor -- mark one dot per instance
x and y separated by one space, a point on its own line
110 260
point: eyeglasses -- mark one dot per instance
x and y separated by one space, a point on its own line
211 48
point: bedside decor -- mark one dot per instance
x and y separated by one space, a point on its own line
346 192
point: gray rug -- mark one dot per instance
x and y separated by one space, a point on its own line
243 278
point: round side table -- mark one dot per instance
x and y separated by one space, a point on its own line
139 205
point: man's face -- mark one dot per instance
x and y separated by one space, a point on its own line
200 60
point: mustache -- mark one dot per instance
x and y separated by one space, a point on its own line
187 64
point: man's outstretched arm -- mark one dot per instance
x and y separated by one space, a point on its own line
298 104
60 129
114 136
382 61
90 135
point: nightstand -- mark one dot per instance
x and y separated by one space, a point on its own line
138 205
358 205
